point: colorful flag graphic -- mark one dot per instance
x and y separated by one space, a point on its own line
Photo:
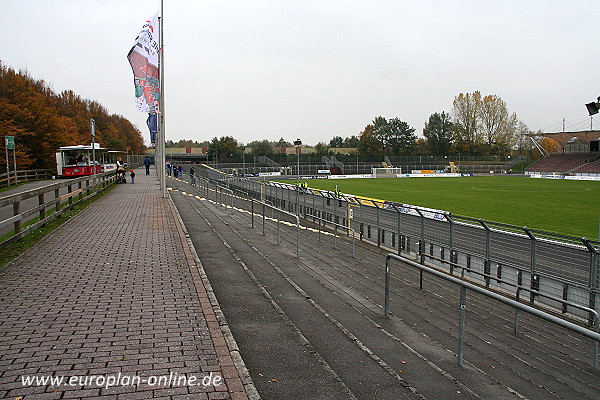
143 58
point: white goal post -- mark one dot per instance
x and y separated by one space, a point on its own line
385 172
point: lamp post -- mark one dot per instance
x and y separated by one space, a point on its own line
298 144
93 133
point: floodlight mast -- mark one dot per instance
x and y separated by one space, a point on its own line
298 144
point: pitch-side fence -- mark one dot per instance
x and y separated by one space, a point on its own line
559 271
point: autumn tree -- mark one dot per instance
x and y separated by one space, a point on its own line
368 143
548 144
523 139
42 121
483 125
466 117
498 126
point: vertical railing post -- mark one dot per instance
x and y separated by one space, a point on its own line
451 238
42 209
461 325
386 305
378 225
593 277
57 199
422 237
304 194
278 236
335 235
534 279
263 218
313 206
399 227
353 244
486 261
335 206
17 211
297 237
319 236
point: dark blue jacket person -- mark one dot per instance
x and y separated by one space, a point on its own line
147 163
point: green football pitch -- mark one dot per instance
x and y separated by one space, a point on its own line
553 205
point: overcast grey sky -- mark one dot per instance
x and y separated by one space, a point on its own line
316 69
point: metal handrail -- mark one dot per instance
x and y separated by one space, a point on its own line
595 314
464 285
335 232
222 189
585 277
281 211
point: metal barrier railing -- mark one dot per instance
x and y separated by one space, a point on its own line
464 285
222 193
493 244
347 228
336 225
265 205
519 288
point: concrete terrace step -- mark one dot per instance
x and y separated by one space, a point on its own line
421 337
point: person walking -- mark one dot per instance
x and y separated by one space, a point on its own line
192 176
147 163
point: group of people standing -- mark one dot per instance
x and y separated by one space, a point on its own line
175 170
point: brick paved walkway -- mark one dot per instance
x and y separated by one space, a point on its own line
114 295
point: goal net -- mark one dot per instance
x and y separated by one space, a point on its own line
385 172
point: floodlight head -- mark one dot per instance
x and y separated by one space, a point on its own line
592 108
298 142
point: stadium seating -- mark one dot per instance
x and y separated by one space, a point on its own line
561 163
589 168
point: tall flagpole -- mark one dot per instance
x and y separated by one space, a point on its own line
161 132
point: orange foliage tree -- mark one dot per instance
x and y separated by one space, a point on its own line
42 121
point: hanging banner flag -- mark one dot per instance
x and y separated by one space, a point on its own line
143 58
